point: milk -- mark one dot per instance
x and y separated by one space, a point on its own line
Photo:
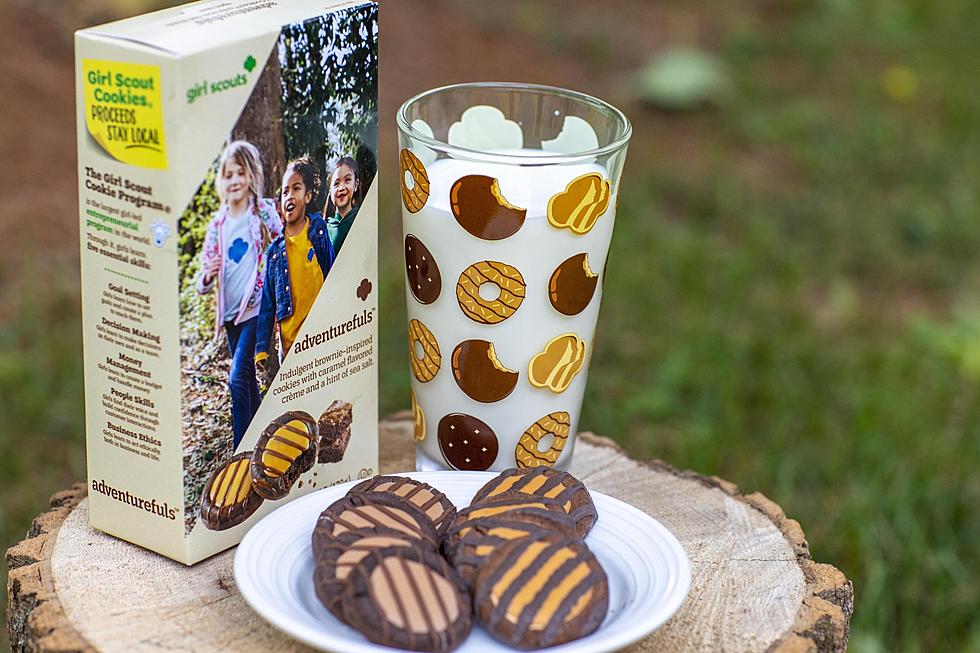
535 250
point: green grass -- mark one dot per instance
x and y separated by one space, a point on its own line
793 304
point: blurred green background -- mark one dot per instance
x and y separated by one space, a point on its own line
793 303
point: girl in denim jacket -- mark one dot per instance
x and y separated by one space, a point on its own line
233 259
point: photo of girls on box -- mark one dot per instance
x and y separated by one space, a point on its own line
267 225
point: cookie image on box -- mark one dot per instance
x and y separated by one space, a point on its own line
481 209
373 511
424 279
551 430
580 205
408 598
334 427
433 503
286 449
415 196
556 366
229 498
541 591
479 373
467 443
508 291
542 483
338 556
572 285
423 351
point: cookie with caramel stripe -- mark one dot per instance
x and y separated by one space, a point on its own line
339 555
436 505
229 497
286 449
408 597
469 545
372 511
539 483
541 591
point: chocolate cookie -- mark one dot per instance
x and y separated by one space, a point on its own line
481 209
541 591
467 443
286 449
479 374
544 482
424 279
408 598
339 554
372 511
229 497
572 285
335 427
436 505
471 541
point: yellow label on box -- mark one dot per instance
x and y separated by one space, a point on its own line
124 111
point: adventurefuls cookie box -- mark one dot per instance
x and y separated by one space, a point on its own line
228 216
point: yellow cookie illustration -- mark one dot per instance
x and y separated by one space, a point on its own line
528 452
581 204
416 196
423 352
556 366
418 419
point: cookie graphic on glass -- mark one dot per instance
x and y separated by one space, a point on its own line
508 204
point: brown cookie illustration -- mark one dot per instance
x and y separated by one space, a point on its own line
542 483
424 279
552 430
572 285
229 497
408 598
372 511
556 366
429 500
481 209
423 352
541 591
286 449
507 282
418 419
479 374
335 429
339 555
466 442
415 197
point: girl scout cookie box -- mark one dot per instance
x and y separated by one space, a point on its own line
228 207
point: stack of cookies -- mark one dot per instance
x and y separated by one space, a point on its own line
287 448
397 562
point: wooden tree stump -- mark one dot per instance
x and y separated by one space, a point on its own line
754 586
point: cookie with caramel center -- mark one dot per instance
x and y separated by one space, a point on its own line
229 497
538 483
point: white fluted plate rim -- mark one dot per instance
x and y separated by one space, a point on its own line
649 572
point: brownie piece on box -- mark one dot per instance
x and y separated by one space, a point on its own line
335 425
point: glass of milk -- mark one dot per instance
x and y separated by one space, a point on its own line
508 203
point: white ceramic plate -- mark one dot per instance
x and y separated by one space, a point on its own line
649 573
